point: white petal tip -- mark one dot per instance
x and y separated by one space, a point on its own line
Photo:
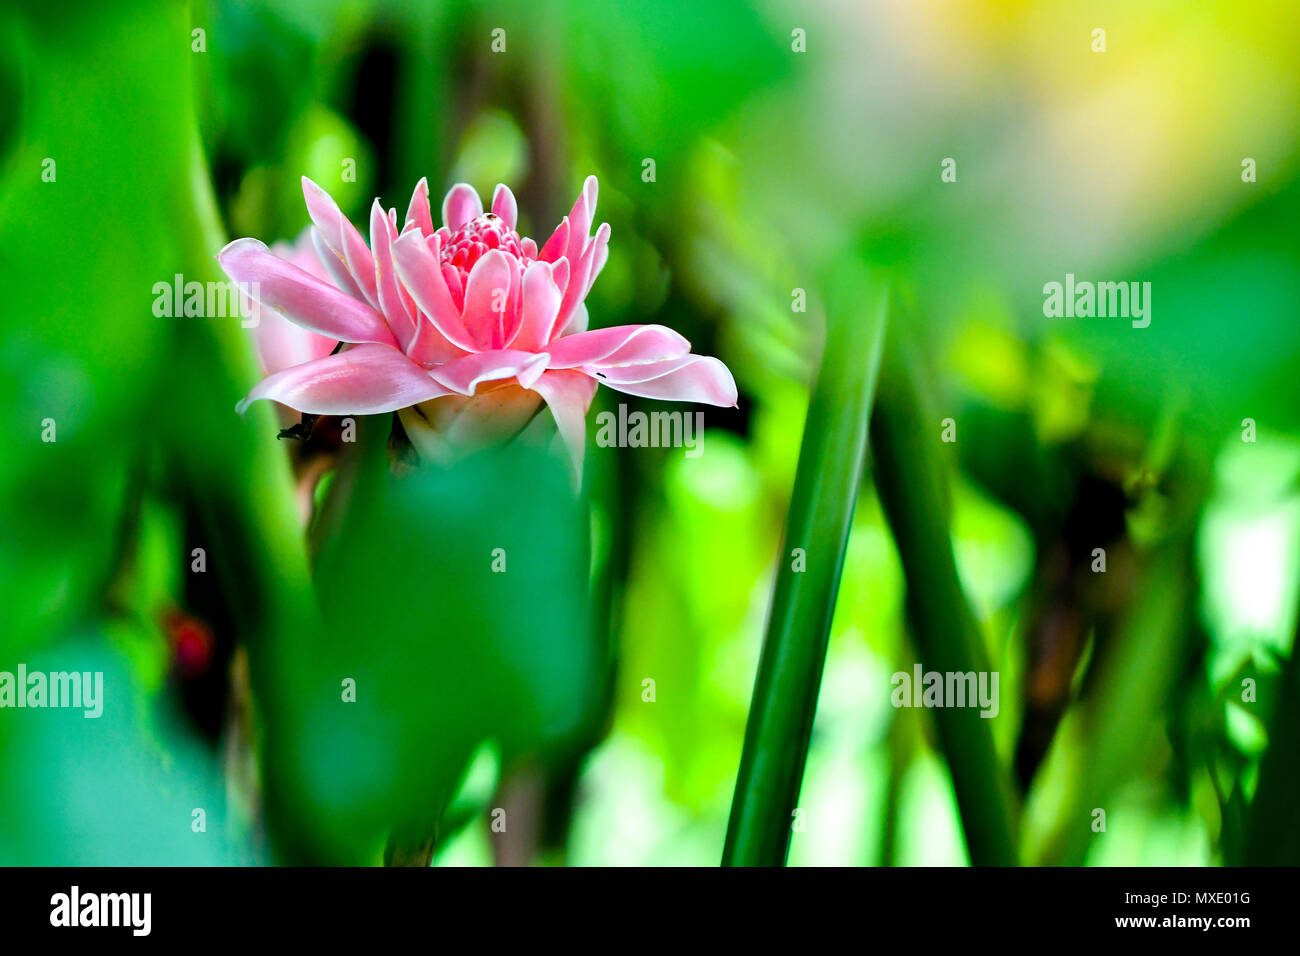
240 245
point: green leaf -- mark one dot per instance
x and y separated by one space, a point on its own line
119 789
456 601
821 511
95 171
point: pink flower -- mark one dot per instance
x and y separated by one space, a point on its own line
465 329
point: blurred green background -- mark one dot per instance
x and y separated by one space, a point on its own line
137 138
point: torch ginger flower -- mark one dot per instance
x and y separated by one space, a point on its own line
463 330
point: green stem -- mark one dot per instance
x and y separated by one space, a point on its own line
241 482
821 510
913 490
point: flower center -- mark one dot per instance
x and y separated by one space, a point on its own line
473 240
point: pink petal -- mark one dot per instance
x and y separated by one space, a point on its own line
342 238
487 293
461 205
578 321
334 266
569 394
464 375
417 267
556 245
302 253
580 220
561 273
281 344
512 318
301 297
620 345
430 347
364 380
541 303
504 205
600 254
574 292
617 375
701 379
451 275
382 234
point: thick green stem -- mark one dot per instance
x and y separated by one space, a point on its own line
914 492
821 509
241 482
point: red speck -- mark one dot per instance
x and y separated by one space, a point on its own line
191 642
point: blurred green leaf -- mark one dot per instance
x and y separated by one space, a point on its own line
445 651
120 789
102 153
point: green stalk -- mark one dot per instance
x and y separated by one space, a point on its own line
241 482
821 509
914 493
